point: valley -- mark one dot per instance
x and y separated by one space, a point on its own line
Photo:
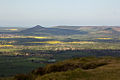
25 50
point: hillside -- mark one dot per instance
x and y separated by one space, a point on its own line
106 68
95 29
85 27
39 30
62 30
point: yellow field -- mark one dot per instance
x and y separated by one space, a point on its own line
59 42
49 42
6 45
104 38
37 37
82 42
13 29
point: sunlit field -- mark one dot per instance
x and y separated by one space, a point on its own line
59 39
42 50
12 29
37 37
104 38
6 45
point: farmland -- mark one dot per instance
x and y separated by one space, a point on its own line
36 51
21 54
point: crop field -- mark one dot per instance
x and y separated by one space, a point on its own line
22 54
11 65
59 40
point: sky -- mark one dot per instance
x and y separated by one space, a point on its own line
47 13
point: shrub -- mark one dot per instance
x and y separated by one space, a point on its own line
22 77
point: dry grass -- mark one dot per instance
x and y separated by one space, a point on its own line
111 71
74 70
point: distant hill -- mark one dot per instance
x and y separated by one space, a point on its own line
61 30
95 29
85 27
39 30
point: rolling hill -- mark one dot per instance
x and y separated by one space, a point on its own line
39 30
93 29
91 68
62 30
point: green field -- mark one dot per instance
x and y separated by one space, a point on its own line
30 52
11 65
89 68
